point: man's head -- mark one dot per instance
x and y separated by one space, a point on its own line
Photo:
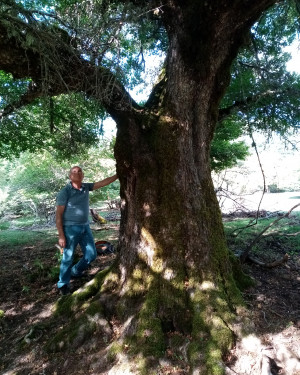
76 174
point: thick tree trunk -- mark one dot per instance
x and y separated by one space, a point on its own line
174 270
174 266
173 254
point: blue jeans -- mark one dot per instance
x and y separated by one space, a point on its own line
76 234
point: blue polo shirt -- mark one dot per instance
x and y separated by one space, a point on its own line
76 203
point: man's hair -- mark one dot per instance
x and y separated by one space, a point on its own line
75 166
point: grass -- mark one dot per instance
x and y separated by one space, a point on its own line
17 221
239 232
107 235
279 238
4 226
16 238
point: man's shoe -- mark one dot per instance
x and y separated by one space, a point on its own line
64 290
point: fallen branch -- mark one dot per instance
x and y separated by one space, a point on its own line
276 263
292 234
245 254
276 313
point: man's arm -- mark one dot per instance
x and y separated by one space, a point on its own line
59 225
106 181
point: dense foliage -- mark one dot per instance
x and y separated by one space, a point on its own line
263 96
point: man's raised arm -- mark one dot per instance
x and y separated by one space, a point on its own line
105 182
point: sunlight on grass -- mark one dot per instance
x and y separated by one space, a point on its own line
284 234
15 238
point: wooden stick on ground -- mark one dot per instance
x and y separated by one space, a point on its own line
246 252
272 264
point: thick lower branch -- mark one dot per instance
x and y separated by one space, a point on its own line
56 67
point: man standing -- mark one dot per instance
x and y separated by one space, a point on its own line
72 222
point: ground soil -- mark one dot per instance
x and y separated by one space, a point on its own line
274 305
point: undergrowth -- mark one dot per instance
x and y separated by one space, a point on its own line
281 238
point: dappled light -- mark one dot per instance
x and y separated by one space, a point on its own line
37 327
147 249
30 324
255 354
169 274
207 285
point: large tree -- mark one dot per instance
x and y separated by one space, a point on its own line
173 272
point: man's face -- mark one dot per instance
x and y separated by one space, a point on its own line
76 174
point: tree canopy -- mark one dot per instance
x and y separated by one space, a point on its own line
116 36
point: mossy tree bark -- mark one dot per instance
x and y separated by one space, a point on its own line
173 272
173 263
173 252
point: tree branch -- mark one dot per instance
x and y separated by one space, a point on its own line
246 252
243 105
34 92
56 67
276 263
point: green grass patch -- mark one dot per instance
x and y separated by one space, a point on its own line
110 235
4 225
16 238
23 222
282 237
16 222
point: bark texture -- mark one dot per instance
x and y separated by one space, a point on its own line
173 272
